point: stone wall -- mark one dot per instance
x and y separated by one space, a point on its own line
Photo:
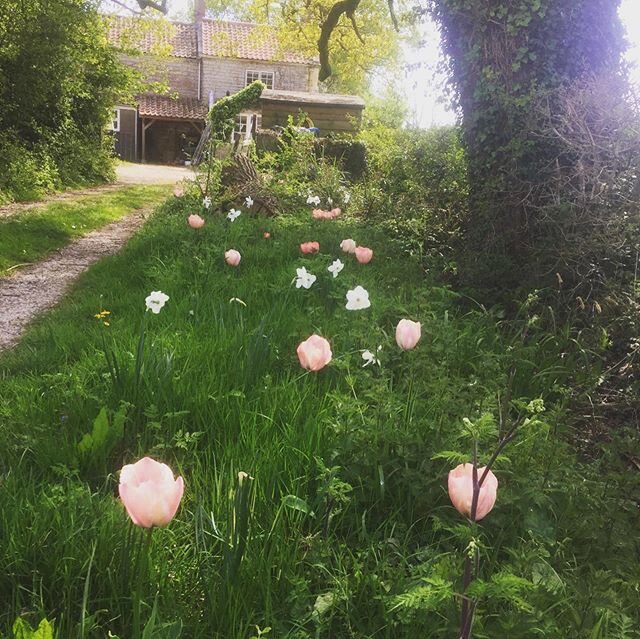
179 74
224 74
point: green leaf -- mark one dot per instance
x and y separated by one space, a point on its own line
296 503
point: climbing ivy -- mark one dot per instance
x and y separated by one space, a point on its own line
508 59
223 113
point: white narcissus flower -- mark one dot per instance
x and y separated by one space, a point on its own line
233 215
313 199
335 268
248 201
155 301
330 201
371 358
357 299
304 279
346 197
206 202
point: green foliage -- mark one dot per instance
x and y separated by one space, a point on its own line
222 115
348 152
417 187
58 81
22 630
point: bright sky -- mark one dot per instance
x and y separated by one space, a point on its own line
424 87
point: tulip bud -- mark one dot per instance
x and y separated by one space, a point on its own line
408 334
149 492
232 257
461 491
363 254
195 221
314 353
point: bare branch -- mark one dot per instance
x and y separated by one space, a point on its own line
392 13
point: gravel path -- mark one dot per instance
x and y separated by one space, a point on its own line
37 288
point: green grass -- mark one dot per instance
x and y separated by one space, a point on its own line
351 533
29 236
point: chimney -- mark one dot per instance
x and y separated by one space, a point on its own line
199 10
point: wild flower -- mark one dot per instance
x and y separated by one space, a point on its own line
371 358
335 268
304 279
248 201
357 299
155 301
103 316
233 215
313 199
206 202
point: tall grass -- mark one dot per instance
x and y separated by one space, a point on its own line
349 531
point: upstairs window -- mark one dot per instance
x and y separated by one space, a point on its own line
266 77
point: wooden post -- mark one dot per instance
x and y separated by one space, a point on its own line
145 126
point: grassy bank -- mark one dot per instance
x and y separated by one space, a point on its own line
30 235
350 532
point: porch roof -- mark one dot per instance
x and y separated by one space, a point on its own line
164 107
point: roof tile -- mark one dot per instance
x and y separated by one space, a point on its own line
161 106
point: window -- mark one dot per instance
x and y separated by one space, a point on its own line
115 120
266 77
246 123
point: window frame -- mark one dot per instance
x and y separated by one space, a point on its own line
260 75
116 120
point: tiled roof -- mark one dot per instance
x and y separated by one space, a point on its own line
247 41
161 106
220 39
153 36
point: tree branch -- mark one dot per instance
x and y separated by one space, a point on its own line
392 13
158 6
343 7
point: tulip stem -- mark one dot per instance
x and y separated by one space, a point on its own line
143 565
471 570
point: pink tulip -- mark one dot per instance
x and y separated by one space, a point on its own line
461 491
314 353
348 246
318 214
178 191
309 247
195 221
266 235
335 212
363 254
150 493
408 334
232 257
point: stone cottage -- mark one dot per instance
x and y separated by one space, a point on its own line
200 62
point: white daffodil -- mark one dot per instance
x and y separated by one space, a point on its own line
313 199
206 202
233 215
371 358
304 279
248 201
330 201
335 268
155 301
357 299
346 197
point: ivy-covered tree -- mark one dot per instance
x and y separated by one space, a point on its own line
509 62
